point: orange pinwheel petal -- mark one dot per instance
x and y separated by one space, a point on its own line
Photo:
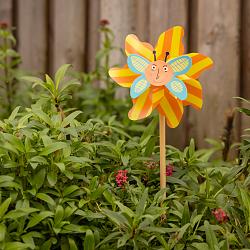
123 76
194 90
157 94
142 106
134 46
171 108
170 41
199 64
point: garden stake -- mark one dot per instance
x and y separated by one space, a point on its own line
161 78
162 128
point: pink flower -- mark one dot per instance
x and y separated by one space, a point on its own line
169 171
220 215
121 177
104 22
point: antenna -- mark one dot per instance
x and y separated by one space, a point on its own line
167 53
154 52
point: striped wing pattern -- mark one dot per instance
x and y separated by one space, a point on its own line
180 65
137 63
139 86
177 88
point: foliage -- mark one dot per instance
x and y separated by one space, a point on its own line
9 60
58 184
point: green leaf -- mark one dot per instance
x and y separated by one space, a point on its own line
66 121
70 84
185 215
14 113
6 178
60 74
49 83
53 147
61 166
38 179
116 218
108 238
123 240
183 230
58 215
33 79
52 178
149 131
70 190
150 146
109 197
43 116
72 244
245 111
74 228
37 218
16 246
2 231
15 142
4 207
46 198
140 208
89 241
211 237
125 209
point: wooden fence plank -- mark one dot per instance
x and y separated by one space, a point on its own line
93 38
245 58
32 35
163 15
67 27
121 16
142 19
216 31
6 7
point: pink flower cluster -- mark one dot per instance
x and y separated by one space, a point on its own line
220 215
121 177
169 171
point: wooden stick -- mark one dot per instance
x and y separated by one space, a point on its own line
162 151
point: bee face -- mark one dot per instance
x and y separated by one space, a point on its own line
158 73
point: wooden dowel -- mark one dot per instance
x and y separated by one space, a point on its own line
162 151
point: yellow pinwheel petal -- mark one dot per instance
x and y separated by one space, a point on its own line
171 108
142 106
123 76
170 41
194 90
134 46
199 64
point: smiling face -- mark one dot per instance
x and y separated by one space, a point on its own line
158 73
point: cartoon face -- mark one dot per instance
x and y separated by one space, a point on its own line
159 73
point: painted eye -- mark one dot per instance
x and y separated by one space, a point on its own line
165 68
153 67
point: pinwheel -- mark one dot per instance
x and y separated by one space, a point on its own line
161 78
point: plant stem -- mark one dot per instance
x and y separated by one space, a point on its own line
6 77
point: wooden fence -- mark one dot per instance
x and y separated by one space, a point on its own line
53 32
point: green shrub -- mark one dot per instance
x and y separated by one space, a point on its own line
59 184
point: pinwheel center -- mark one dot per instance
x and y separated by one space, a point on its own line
158 73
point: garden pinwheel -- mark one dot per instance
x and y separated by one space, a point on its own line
161 78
